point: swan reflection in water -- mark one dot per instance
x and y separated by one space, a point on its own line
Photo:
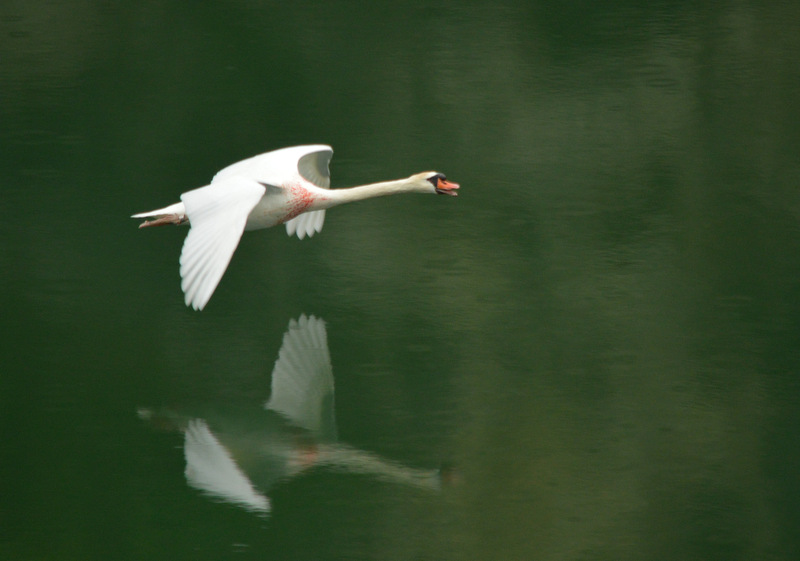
238 455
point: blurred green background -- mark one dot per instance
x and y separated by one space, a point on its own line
601 334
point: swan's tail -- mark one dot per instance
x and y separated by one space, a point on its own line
172 214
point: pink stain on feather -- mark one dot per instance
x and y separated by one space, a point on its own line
299 201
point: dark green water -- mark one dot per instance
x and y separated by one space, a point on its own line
599 339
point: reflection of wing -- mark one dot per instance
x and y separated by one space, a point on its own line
302 380
210 468
217 214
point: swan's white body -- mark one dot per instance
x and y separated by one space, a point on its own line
288 186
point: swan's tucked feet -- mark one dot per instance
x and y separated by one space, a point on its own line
163 220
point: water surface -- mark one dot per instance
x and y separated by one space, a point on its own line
590 354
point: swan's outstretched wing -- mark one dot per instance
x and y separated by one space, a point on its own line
210 468
217 214
306 224
302 380
279 166
313 165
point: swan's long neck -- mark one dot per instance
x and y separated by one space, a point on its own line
334 197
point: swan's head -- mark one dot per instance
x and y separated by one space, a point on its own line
435 182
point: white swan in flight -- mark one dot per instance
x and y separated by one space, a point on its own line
290 186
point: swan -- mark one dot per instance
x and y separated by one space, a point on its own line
288 186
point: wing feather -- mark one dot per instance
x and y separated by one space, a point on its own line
306 224
310 161
217 214
313 166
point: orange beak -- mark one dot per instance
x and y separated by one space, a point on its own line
444 187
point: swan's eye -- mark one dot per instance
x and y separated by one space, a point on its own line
434 179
